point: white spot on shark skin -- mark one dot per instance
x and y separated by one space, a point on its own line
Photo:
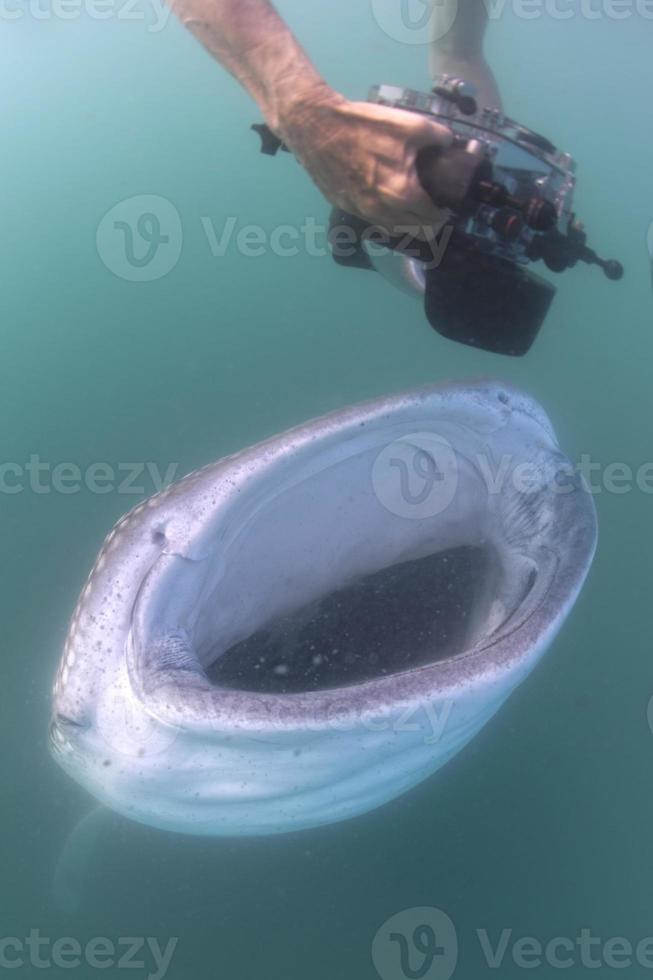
282 640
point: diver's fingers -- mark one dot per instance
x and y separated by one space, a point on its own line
407 207
382 184
424 135
424 132
415 130
414 204
407 225
406 211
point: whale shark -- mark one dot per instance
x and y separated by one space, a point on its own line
303 631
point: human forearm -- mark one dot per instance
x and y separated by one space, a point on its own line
363 157
459 28
464 38
253 43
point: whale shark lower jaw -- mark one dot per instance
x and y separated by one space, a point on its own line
302 632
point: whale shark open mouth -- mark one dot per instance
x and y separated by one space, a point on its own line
301 632
405 616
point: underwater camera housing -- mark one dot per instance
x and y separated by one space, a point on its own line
509 195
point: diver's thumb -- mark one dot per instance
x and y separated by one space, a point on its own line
447 175
426 133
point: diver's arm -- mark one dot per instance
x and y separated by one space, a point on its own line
252 42
361 156
458 49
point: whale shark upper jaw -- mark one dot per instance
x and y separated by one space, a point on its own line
301 632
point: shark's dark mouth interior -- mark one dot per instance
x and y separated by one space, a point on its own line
314 584
405 616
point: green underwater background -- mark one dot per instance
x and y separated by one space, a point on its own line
543 824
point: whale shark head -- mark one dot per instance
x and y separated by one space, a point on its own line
301 632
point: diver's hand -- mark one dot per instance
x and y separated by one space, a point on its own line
362 157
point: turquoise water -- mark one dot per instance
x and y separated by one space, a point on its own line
542 825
